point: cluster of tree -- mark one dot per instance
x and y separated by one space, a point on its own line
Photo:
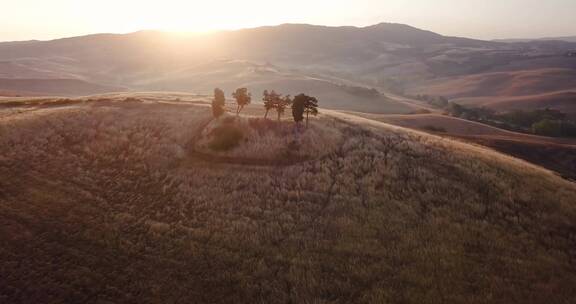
558 128
301 104
241 95
547 122
440 102
392 84
361 91
477 114
275 101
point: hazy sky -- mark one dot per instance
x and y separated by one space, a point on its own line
485 19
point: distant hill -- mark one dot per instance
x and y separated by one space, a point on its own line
569 39
39 87
506 91
566 38
152 60
135 56
231 74
321 60
513 83
564 101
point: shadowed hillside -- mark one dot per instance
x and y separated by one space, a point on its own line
557 154
521 83
563 101
553 88
106 201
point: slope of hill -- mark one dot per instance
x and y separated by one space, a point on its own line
531 89
105 202
458 126
557 154
40 87
521 83
565 38
18 70
564 101
231 74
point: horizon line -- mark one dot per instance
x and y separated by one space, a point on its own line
215 31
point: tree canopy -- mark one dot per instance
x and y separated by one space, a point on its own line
282 104
275 101
270 100
218 102
243 98
304 104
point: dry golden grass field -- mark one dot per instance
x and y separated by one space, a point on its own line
122 199
557 154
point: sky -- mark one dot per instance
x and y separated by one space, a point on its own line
482 19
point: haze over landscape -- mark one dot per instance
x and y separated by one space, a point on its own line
474 19
288 151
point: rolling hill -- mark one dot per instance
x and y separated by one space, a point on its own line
119 200
231 74
565 38
553 88
564 101
385 57
557 154
502 84
53 87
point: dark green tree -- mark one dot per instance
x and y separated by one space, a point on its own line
455 109
218 103
298 108
547 127
304 104
556 128
281 105
311 107
270 98
243 98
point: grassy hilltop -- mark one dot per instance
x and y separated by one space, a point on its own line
120 201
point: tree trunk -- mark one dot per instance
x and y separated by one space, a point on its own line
278 116
299 127
238 110
266 114
307 119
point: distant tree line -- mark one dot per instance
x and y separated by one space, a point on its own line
440 102
392 84
361 91
302 105
546 122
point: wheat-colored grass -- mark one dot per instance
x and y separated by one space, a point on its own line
104 203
